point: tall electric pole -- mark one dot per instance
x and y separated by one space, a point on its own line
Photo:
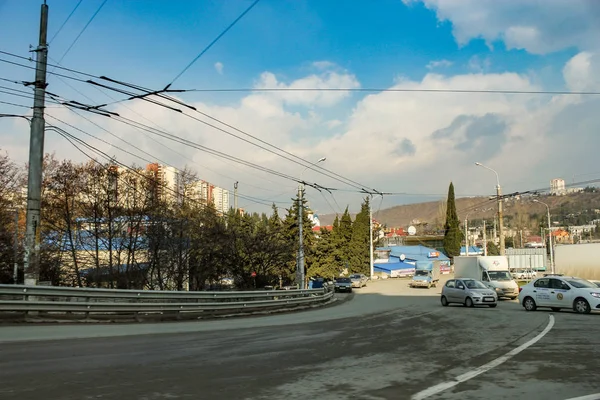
300 271
466 236
500 220
484 239
31 262
235 197
16 248
371 267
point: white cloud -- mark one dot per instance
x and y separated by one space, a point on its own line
219 67
403 142
538 26
323 64
334 123
478 64
327 79
439 64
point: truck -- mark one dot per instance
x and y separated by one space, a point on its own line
580 260
527 259
427 274
493 271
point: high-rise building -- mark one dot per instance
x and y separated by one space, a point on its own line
557 186
220 199
168 185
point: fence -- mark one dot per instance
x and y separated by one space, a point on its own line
74 303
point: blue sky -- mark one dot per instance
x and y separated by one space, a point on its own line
151 41
378 44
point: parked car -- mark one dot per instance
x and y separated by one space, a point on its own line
597 283
358 280
557 292
468 292
524 274
343 285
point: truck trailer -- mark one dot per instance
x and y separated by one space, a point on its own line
579 260
493 271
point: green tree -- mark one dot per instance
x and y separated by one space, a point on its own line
453 235
291 229
341 236
492 249
358 246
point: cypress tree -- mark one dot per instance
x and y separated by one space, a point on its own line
359 242
452 233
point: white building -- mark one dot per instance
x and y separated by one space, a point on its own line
557 187
220 199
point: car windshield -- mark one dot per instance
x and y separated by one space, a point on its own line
473 284
343 280
421 273
580 283
354 276
499 276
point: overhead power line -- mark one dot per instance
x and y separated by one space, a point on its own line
399 90
71 138
66 20
81 32
215 40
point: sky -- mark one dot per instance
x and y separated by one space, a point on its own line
411 144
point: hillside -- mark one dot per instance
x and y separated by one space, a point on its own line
434 212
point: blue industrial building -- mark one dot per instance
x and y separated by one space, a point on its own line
397 261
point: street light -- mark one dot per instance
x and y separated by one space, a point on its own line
499 196
300 263
549 233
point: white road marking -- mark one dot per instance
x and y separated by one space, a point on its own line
433 390
595 396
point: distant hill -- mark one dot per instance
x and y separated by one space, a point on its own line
434 212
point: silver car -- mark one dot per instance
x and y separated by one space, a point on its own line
468 292
358 280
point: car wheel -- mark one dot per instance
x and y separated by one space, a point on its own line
468 302
581 306
444 301
493 305
529 304
556 309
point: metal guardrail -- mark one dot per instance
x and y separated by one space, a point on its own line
107 302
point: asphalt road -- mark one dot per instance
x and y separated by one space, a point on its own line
388 342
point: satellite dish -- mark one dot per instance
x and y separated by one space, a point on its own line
412 230
402 257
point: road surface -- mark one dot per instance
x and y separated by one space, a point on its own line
388 342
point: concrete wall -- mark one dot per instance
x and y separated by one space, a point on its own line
582 260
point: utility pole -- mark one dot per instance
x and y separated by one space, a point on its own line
500 220
495 231
16 248
36 157
235 197
371 237
466 236
521 232
484 239
300 272
550 241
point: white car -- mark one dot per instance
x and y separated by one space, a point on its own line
524 274
558 292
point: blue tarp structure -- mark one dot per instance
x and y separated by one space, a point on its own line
473 251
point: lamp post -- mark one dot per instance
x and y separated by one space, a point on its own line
499 196
549 234
300 263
